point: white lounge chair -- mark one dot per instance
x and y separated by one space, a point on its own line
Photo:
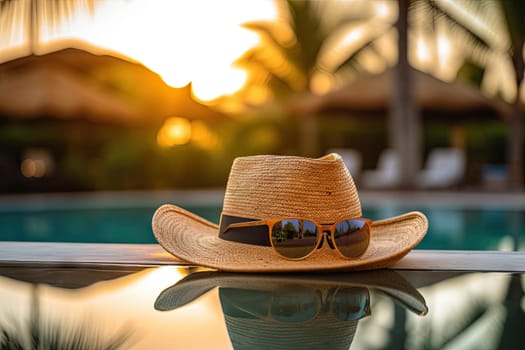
387 174
445 167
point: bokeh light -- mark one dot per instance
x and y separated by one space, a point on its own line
174 131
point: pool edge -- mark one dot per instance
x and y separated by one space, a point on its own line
81 254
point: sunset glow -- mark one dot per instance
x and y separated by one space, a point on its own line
198 41
182 41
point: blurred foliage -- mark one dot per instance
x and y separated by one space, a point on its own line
100 157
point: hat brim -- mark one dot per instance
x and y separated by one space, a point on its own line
194 239
197 284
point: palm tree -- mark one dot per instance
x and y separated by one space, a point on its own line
301 49
293 50
513 17
289 63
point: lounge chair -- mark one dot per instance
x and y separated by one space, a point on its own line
387 174
445 167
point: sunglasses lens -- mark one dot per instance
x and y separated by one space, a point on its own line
294 238
352 237
351 304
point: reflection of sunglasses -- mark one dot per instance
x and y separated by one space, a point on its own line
296 303
298 238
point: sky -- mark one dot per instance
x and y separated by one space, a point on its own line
182 41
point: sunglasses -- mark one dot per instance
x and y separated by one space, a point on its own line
296 239
296 304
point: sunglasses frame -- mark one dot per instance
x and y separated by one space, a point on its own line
321 232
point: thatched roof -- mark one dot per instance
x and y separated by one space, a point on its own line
72 83
373 94
57 92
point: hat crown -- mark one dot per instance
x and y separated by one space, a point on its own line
263 187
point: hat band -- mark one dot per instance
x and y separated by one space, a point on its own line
257 235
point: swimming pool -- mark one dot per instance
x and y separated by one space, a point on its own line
457 222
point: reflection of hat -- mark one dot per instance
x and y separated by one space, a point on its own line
272 187
293 311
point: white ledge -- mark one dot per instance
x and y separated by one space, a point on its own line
72 254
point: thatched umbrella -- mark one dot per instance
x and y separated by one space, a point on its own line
372 95
59 93
72 83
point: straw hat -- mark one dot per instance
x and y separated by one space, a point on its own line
270 187
279 311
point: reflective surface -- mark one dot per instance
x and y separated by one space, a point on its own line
190 308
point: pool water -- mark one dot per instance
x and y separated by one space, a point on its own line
449 229
466 228
89 225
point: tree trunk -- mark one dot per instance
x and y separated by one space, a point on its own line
515 124
515 148
514 12
404 128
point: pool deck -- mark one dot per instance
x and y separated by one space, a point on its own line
81 254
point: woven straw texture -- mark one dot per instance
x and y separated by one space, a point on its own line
280 187
263 187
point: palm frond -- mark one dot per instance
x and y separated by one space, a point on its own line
457 23
9 340
55 335
270 32
271 40
351 60
272 61
293 59
368 45
307 27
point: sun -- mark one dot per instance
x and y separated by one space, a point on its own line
183 41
